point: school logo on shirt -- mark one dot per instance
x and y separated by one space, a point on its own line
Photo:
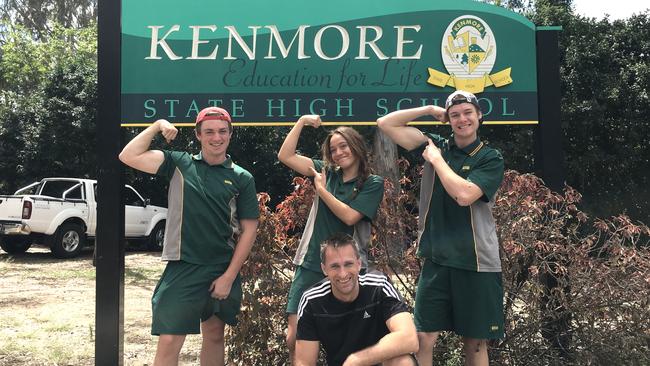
469 51
366 315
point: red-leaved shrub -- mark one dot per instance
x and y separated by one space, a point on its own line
577 290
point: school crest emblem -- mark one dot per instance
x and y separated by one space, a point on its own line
469 51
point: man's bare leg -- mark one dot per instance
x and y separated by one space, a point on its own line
427 342
292 329
212 347
169 347
475 352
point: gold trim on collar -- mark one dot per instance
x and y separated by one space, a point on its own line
476 149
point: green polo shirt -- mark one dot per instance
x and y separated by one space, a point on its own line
205 204
456 236
322 222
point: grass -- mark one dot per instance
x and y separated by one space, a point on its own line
83 274
47 307
47 310
138 276
58 328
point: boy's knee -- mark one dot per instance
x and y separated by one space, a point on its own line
474 345
427 339
214 336
213 330
170 342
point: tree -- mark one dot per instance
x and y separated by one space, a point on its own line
605 81
605 76
47 115
41 16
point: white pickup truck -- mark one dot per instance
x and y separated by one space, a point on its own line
62 213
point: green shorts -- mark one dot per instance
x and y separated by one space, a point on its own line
303 279
182 300
465 302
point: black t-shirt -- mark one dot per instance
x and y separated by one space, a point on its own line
344 328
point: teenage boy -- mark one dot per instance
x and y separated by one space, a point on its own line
211 227
460 284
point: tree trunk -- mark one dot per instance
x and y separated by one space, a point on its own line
385 164
384 152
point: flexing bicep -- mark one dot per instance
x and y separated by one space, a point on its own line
298 163
405 136
394 125
148 161
288 155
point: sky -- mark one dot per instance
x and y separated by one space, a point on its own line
618 9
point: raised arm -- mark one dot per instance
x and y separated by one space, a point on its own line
136 153
394 125
287 154
401 340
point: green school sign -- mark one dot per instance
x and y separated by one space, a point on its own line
268 62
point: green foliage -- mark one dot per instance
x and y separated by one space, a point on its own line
605 69
256 149
68 114
26 62
20 66
605 76
48 110
15 135
41 16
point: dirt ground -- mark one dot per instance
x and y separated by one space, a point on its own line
47 309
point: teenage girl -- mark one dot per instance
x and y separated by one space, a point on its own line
347 198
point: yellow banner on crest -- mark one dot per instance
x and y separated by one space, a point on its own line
472 85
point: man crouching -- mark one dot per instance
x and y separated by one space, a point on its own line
359 319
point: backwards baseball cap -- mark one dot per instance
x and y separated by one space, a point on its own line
461 96
213 113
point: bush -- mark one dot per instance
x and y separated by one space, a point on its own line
576 289
259 339
579 284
